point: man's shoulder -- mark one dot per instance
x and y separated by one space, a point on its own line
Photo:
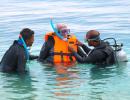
16 47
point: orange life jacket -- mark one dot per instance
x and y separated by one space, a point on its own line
60 52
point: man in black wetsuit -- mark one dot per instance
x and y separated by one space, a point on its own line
15 58
101 54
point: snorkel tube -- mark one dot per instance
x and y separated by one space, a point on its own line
25 46
55 29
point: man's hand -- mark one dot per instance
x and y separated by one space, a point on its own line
71 49
79 43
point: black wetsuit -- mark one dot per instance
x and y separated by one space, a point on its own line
102 54
14 59
45 54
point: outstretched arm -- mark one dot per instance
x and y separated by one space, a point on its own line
93 57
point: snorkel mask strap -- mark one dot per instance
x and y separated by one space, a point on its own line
93 39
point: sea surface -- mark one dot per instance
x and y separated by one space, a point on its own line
79 82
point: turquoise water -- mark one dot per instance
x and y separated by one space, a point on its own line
82 81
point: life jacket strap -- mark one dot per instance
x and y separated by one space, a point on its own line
61 53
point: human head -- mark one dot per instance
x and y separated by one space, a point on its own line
93 38
28 36
62 29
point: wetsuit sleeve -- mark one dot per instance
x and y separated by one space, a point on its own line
96 56
85 48
21 64
32 57
80 51
44 53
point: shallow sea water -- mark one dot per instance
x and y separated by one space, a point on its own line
82 81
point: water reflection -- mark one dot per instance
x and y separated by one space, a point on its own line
99 76
64 81
14 86
76 83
